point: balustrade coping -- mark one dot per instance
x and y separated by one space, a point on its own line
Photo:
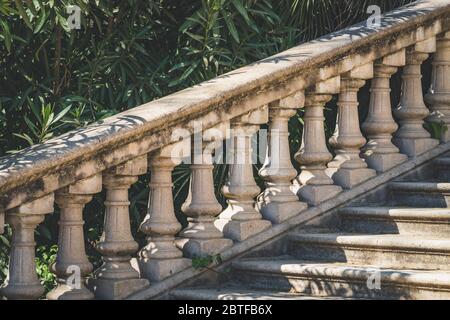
42 169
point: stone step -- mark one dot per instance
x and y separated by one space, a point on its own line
396 220
338 279
384 251
421 194
443 168
238 293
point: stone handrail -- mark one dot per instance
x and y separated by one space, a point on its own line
70 169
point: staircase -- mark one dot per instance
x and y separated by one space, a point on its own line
398 248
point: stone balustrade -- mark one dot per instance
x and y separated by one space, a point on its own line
68 171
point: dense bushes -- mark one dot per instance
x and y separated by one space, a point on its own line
128 52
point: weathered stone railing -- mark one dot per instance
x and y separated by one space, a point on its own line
69 170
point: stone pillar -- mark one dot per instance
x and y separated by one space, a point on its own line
201 237
278 202
116 278
72 265
348 169
313 184
379 152
160 258
438 97
411 138
22 282
240 220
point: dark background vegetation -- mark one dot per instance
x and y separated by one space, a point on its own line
129 52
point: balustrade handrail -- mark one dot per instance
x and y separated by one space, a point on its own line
89 150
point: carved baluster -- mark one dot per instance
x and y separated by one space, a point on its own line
22 282
278 202
348 169
160 258
202 237
438 98
313 184
72 265
240 220
116 278
411 138
380 153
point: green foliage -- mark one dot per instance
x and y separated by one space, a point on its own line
128 52
45 258
437 129
205 262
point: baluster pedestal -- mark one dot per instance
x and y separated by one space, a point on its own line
160 258
411 138
347 168
278 202
313 184
380 153
116 278
72 264
240 220
202 238
22 282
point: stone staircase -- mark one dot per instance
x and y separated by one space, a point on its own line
398 248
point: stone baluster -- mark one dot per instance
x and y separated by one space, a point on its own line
22 281
240 220
160 258
72 265
347 168
116 278
380 153
313 184
278 202
201 237
412 138
438 97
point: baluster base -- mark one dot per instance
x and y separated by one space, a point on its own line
105 289
193 248
27 291
156 270
415 147
278 212
316 194
241 230
382 162
64 291
349 178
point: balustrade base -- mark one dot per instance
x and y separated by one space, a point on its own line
349 178
278 212
68 292
159 269
106 289
415 147
314 195
241 230
203 247
382 162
